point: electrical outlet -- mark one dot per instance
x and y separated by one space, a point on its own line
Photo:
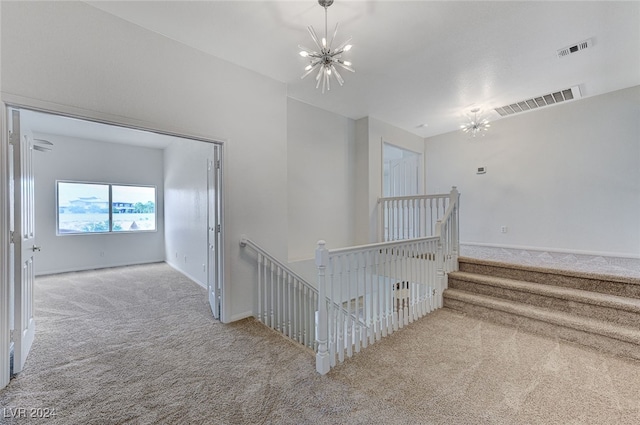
102 253
204 268
185 258
504 229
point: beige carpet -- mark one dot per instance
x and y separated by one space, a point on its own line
138 345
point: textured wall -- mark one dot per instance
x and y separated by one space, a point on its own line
90 161
73 58
566 177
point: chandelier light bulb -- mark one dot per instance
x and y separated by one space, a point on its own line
326 59
475 126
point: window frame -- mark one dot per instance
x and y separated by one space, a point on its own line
110 206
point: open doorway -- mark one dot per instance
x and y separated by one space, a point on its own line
154 198
401 171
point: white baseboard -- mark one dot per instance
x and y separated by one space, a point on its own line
240 316
609 263
95 267
178 269
558 250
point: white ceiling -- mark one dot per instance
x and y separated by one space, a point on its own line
44 124
417 62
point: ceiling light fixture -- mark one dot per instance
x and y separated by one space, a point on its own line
325 59
476 126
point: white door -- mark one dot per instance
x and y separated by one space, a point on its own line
404 176
214 234
22 227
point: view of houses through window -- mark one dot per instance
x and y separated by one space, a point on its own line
102 207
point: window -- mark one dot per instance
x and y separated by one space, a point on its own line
101 208
133 207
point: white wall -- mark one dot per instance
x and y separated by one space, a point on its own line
73 58
92 161
185 183
321 179
371 133
562 178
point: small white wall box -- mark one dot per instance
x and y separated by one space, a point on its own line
481 170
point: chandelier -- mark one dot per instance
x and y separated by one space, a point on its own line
476 126
325 59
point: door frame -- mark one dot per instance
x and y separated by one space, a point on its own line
5 339
215 172
18 102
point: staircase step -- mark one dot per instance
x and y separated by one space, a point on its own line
604 284
613 308
608 337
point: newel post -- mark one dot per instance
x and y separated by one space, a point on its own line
441 276
322 357
454 198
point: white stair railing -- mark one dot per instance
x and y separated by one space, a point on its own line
385 286
410 217
285 301
363 293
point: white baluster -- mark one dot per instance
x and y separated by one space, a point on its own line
392 224
334 295
265 273
372 297
418 283
404 219
380 295
315 321
396 294
294 307
305 316
362 267
278 316
385 220
300 319
405 278
260 289
272 297
343 280
414 218
288 304
425 279
420 231
389 301
353 283
412 278
309 328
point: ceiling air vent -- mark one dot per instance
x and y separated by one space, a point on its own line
574 48
540 101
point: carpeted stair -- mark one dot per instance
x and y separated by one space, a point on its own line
598 311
